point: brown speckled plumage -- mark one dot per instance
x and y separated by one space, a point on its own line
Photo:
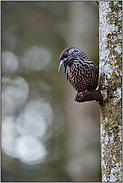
82 72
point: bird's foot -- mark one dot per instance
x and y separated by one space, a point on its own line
81 95
77 97
89 96
85 93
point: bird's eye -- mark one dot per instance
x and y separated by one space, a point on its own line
65 54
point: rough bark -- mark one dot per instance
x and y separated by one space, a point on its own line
110 65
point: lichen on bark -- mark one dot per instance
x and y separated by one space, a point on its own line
110 76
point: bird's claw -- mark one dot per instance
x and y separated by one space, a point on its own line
79 96
85 93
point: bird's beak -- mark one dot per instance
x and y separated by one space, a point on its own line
61 63
65 66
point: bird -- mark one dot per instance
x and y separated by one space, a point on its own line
82 72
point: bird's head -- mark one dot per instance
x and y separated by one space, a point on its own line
65 57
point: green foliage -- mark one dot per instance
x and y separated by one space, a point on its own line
117 7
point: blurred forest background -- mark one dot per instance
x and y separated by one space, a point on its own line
46 135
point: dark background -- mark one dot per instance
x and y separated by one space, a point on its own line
46 135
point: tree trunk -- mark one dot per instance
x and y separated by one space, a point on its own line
110 65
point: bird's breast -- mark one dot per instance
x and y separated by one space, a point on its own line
82 78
